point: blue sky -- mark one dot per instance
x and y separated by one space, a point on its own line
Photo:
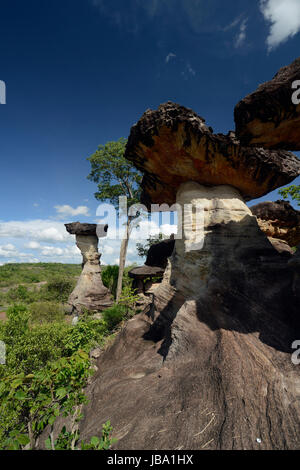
80 72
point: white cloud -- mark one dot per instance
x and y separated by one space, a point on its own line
35 204
169 57
32 245
241 36
233 24
188 71
66 211
284 19
40 230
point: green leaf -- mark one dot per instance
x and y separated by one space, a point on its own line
48 444
61 393
95 441
23 439
20 395
16 383
51 420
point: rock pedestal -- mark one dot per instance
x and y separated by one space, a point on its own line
209 366
89 293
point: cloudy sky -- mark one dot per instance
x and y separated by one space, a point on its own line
79 73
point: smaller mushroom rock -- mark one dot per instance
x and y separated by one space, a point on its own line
159 253
89 293
278 220
156 262
269 117
173 145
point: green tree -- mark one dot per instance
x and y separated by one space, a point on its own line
293 191
115 177
143 249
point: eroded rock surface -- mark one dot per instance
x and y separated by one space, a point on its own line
278 220
173 145
268 117
209 366
89 293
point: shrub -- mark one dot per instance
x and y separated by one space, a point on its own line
114 315
57 289
46 312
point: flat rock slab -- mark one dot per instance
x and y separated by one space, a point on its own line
173 145
77 228
268 117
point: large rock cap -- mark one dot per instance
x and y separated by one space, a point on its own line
268 117
77 228
278 220
173 145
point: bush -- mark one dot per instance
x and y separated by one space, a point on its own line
114 315
46 312
57 290
20 294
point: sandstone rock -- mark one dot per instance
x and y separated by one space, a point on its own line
208 364
173 145
209 367
268 117
95 353
77 228
154 266
278 220
89 293
281 246
159 253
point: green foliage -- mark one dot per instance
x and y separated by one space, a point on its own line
30 347
114 175
28 273
292 191
19 294
57 289
114 315
143 249
84 335
128 300
35 400
68 440
110 278
46 312
46 371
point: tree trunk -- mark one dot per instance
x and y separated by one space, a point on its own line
123 253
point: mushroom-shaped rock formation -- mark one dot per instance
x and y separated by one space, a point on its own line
214 351
89 293
156 262
173 145
159 253
278 220
270 117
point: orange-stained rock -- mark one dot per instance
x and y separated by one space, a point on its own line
278 220
173 145
268 117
